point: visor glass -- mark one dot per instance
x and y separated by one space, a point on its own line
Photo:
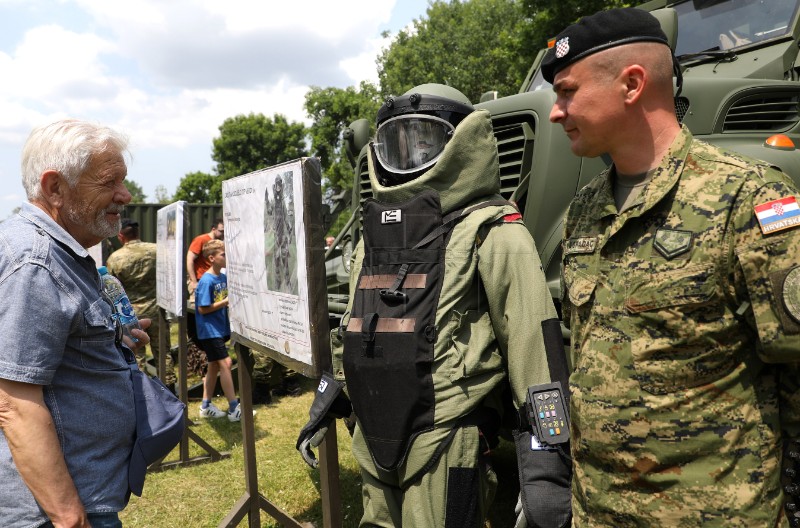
412 142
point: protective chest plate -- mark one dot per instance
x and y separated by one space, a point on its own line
389 340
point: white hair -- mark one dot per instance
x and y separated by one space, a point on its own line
65 146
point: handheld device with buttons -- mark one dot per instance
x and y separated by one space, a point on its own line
547 413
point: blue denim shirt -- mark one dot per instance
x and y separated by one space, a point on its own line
57 332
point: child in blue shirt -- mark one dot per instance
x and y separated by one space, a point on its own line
213 331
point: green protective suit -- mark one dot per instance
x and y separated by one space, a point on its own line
488 337
684 346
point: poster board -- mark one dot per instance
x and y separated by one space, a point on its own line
275 263
96 252
170 258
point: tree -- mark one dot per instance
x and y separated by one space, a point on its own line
162 195
549 17
472 45
332 110
251 142
195 187
246 143
137 194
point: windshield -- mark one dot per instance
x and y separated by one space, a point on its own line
728 24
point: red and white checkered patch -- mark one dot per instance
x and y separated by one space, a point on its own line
778 208
562 47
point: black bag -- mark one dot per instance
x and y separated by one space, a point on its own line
160 425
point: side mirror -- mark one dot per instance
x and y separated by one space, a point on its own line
668 18
355 137
489 96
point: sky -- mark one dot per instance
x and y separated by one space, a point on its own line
168 73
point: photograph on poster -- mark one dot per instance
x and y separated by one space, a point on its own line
266 259
169 258
280 244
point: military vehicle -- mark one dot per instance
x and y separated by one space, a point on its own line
741 90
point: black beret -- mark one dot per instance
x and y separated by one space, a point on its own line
600 31
129 222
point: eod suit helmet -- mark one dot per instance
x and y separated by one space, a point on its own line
413 130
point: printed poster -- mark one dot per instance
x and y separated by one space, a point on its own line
170 259
265 245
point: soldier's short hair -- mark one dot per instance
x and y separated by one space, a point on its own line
212 247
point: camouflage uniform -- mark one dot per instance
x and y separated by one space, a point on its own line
489 337
134 264
678 321
272 375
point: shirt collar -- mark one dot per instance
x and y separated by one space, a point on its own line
664 178
43 221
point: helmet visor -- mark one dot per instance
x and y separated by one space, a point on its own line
411 142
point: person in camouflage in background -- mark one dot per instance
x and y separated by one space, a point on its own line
271 378
134 264
682 298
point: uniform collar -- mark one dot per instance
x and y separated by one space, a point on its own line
665 178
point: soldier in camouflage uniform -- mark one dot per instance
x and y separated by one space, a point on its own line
682 289
271 378
134 264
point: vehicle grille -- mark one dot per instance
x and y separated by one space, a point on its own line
681 108
364 188
772 112
511 148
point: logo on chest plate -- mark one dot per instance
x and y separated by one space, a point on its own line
391 217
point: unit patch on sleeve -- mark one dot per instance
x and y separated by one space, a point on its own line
778 215
791 293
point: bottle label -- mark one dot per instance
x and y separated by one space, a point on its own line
125 310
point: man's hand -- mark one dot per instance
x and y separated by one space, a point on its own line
142 338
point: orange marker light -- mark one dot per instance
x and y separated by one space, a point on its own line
780 142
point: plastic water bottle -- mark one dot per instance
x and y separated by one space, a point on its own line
123 310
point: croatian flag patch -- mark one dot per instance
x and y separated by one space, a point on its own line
778 215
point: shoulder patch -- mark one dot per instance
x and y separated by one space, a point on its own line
513 217
791 293
777 215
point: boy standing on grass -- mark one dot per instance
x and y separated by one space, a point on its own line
213 331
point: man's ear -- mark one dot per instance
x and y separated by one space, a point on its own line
635 78
53 188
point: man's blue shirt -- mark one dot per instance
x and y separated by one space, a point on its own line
57 332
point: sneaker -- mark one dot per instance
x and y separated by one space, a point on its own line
236 414
211 412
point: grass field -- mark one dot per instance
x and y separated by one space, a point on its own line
202 495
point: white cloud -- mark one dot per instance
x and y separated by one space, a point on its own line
169 73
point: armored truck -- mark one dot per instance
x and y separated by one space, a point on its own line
741 90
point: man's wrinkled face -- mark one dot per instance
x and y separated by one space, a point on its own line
587 106
92 209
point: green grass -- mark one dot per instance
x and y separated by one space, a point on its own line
201 495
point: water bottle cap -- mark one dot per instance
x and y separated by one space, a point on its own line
102 270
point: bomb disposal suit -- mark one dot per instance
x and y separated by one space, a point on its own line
448 311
